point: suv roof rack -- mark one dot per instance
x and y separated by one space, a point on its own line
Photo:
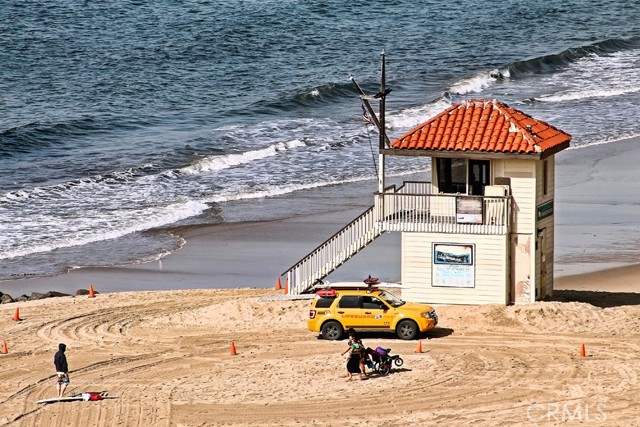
354 285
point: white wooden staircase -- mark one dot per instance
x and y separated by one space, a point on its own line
334 252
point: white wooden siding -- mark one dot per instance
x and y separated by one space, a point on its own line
523 190
491 272
527 191
539 165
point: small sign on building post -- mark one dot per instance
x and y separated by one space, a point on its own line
544 210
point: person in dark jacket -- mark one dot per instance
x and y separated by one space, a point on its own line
62 369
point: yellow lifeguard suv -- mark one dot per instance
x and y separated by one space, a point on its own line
366 306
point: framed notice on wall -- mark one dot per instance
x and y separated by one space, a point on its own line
454 265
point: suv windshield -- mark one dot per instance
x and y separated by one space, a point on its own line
391 299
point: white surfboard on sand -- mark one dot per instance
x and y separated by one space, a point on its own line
60 399
86 396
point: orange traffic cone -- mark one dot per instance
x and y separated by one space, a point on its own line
582 351
4 348
233 349
419 348
286 287
278 284
16 316
92 294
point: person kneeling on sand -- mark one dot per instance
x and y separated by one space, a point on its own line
355 362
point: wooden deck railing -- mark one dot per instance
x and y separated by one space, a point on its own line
406 210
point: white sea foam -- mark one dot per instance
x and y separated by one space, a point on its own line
97 229
216 163
596 76
474 84
411 117
573 95
279 190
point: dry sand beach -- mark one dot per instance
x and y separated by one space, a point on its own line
166 355
167 358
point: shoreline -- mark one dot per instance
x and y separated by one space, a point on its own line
597 226
621 279
597 229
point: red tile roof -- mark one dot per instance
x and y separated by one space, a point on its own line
483 125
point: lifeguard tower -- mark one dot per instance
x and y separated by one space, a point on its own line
482 230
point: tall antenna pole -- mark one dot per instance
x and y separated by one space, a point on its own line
384 140
382 98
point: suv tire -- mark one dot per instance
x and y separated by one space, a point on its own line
407 330
332 330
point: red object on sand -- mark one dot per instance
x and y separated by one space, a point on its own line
92 396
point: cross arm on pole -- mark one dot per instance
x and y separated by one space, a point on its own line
365 100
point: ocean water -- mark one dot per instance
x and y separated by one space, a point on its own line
120 120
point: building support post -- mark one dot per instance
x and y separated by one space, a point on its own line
383 134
